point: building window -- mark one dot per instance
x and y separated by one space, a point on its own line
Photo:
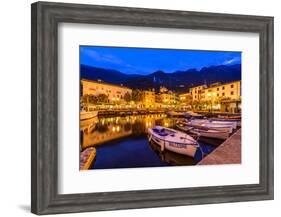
222 94
209 90
218 94
218 89
232 93
223 87
232 86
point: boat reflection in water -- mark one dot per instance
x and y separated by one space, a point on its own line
171 158
121 142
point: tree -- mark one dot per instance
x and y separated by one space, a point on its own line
127 97
195 104
89 98
93 99
137 95
102 98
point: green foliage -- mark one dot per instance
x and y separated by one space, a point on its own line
137 95
127 97
102 98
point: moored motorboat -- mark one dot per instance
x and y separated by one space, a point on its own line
215 123
183 127
204 132
223 120
216 134
210 126
173 140
230 117
84 115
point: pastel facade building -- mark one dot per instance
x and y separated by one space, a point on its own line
115 93
148 99
196 92
224 97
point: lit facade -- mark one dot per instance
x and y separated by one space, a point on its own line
227 91
224 97
196 92
114 93
168 98
148 99
183 98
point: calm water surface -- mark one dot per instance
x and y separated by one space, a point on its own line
121 142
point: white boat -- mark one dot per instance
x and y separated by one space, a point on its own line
229 117
183 127
211 122
223 120
210 126
84 115
204 132
215 134
173 140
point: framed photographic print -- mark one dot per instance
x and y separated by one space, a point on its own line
135 108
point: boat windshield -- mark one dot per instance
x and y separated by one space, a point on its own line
162 132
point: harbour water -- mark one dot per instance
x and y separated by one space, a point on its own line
121 142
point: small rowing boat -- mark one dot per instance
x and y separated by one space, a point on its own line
173 140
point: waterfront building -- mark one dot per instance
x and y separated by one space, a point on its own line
223 97
185 97
115 93
168 98
185 101
196 92
148 99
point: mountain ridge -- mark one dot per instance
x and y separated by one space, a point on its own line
178 80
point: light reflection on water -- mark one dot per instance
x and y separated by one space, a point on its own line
121 142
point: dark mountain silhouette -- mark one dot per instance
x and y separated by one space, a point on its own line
178 80
107 75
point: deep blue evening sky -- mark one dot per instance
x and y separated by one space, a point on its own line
146 61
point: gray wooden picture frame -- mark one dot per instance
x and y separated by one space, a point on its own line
44 166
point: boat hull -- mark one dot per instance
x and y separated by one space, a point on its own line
185 149
211 127
211 134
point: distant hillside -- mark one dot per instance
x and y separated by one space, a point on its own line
178 80
107 75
